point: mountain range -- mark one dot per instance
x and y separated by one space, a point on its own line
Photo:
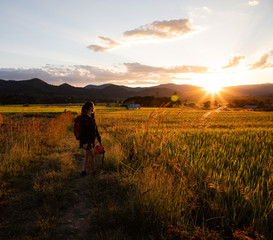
32 89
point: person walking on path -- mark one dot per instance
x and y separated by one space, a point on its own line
88 134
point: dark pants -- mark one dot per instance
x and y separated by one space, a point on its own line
89 143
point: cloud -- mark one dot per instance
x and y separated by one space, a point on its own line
188 69
111 44
167 29
23 74
140 72
98 48
253 3
161 29
234 62
207 9
263 62
163 72
81 75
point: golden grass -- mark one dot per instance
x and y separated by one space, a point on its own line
197 173
197 169
36 161
23 139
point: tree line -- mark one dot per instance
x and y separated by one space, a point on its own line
147 101
151 101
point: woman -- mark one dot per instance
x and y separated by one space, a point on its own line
88 132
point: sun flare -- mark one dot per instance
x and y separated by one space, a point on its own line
211 83
212 88
214 83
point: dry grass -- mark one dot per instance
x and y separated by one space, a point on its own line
169 173
199 170
36 161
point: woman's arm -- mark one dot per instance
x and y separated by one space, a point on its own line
97 133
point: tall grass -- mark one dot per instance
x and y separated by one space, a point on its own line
36 161
196 170
22 140
193 174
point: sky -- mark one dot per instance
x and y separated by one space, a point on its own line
137 43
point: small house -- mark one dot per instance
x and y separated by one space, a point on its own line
133 106
250 106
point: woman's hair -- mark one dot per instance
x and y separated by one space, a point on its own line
86 107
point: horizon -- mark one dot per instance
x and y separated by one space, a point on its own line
211 45
130 86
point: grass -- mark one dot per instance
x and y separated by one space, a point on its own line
35 162
168 174
196 170
50 108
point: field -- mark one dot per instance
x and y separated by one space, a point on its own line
168 174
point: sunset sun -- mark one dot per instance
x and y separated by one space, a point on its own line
213 83
212 88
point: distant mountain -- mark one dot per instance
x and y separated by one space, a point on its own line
251 90
38 87
37 91
33 86
98 86
111 85
179 88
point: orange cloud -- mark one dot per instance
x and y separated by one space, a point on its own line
111 44
234 62
139 68
263 62
167 29
127 73
161 29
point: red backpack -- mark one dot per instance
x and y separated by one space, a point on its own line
77 127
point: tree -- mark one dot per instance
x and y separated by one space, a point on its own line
207 104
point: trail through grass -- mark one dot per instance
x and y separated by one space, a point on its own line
168 174
44 196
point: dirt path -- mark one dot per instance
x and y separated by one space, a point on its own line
75 219
100 206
